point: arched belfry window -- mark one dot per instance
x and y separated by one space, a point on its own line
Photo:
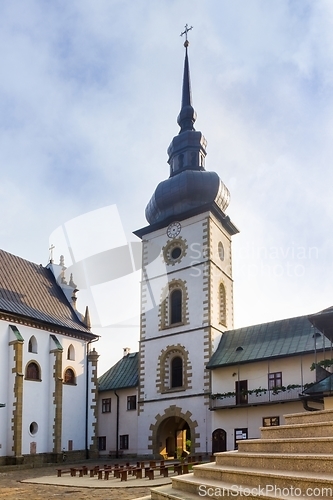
32 344
175 306
173 311
176 372
71 352
223 305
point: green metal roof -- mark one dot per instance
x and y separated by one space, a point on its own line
16 332
57 343
124 374
286 337
325 386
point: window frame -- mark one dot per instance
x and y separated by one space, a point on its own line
101 443
176 307
268 421
176 373
124 442
131 403
28 376
32 345
223 304
106 405
274 380
71 353
240 386
72 380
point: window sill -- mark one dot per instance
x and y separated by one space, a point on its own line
174 325
174 389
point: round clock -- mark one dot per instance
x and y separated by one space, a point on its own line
173 229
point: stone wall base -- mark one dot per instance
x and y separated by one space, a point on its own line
41 459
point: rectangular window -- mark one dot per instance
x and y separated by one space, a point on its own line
70 445
106 405
241 392
123 442
131 402
274 380
102 443
270 421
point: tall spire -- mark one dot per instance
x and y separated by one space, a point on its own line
190 188
187 115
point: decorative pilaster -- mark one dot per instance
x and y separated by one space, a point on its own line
93 360
57 394
17 370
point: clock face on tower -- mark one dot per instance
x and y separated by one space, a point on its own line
173 229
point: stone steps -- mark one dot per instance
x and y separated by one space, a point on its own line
312 429
291 460
189 487
309 416
291 445
254 477
278 461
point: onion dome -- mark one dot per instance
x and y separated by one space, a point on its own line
189 186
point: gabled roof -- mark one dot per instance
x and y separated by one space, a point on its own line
124 374
30 291
286 337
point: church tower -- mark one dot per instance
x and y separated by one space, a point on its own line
186 293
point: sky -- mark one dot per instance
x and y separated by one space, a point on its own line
89 96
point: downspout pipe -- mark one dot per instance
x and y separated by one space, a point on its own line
117 426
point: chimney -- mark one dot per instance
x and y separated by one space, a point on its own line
127 350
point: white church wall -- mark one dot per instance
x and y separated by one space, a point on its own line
74 396
38 395
35 421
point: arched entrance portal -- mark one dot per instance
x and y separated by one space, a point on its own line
174 433
219 440
174 438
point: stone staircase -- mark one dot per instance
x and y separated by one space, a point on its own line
292 460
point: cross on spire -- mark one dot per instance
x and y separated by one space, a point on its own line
52 247
186 30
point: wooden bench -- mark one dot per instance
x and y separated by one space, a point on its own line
138 473
164 471
150 474
70 471
178 468
123 475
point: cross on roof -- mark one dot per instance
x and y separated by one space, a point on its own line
187 29
52 247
